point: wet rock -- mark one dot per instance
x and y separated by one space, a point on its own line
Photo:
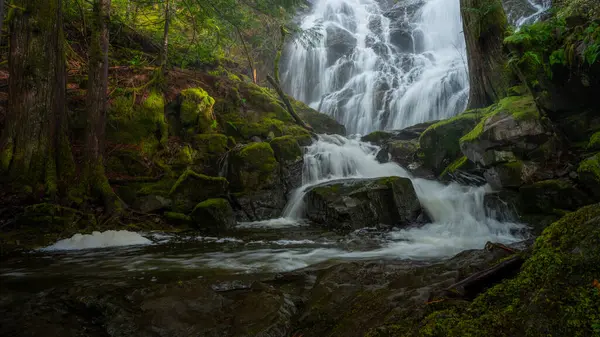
358 203
339 42
213 215
196 110
152 203
439 143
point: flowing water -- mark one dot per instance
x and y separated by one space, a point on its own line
379 68
376 68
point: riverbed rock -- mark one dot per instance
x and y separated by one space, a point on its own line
192 188
213 215
289 156
357 203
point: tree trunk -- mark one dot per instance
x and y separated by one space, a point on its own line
1 19
35 148
484 26
165 41
288 104
97 106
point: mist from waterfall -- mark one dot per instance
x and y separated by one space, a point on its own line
379 68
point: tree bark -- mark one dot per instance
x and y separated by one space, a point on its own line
97 107
1 19
165 41
35 148
484 26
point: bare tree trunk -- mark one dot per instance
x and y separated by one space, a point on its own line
97 106
35 148
485 25
165 41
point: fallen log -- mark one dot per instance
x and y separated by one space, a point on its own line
287 103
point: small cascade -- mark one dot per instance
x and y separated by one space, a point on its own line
458 212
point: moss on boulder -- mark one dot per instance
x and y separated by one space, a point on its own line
439 143
514 124
192 188
286 149
253 168
210 148
377 137
213 215
589 174
594 143
196 110
553 293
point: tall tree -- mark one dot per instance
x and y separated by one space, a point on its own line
97 106
485 25
164 52
35 147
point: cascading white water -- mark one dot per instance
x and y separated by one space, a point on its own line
458 212
380 68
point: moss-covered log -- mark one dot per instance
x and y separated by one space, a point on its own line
485 25
35 149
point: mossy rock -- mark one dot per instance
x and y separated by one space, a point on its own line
462 164
589 174
210 149
512 125
594 143
213 215
377 137
439 143
547 196
178 218
552 294
128 161
253 168
321 123
196 110
162 187
286 149
192 188
357 203
144 125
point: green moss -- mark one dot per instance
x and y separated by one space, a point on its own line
522 108
213 214
547 195
459 164
286 149
192 187
196 109
591 165
253 167
552 295
6 157
439 143
178 218
594 143
162 187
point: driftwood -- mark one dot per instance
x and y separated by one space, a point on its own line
288 104
478 282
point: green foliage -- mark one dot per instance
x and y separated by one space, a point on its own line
592 42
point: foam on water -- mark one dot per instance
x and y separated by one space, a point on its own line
99 240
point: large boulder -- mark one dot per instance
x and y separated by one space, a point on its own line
552 195
512 129
192 188
196 109
439 143
256 184
213 215
358 203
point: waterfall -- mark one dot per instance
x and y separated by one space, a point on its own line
381 68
